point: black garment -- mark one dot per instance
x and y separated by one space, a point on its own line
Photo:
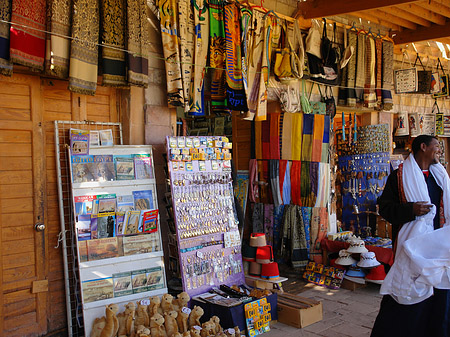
431 317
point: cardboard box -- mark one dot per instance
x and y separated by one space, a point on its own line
298 311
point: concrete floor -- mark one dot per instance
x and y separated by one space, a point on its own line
345 313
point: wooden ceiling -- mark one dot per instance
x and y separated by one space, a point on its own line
407 21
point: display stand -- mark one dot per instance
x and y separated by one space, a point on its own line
206 223
134 259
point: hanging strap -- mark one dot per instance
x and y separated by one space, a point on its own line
324 31
437 107
418 58
439 64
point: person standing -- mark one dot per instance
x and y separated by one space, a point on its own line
416 201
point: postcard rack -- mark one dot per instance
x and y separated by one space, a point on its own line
108 264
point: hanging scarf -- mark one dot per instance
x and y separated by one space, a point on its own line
201 20
168 13
246 20
83 47
286 187
388 60
282 174
258 218
253 180
306 216
305 183
379 70
258 140
138 39
307 138
274 174
265 139
319 225
314 181
360 67
370 98
254 64
323 185
187 34
286 136
27 46
261 113
351 70
217 54
297 135
113 34
343 91
326 140
6 66
277 226
294 246
295 182
235 89
274 137
268 223
316 152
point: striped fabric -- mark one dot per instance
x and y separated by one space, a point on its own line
379 70
297 136
286 135
370 99
326 140
316 152
351 73
307 139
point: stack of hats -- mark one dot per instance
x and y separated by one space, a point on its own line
357 246
261 263
345 258
355 274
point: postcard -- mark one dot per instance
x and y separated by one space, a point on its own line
97 289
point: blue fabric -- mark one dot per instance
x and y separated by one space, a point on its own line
306 215
277 218
287 185
308 124
326 130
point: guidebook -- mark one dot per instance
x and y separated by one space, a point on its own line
149 221
124 167
97 289
122 284
131 222
84 227
103 168
106 137
79 142
81 171
143 166
125 203
106 203
105 225
99 249
143 200
83 204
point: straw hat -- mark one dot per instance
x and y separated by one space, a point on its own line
357 246
368 260
345 258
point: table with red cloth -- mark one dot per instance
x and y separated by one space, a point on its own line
385 255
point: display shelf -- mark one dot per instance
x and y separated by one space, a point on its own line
112 184
121 259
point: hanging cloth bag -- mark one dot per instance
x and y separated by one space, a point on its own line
405 80
297 51
423 78
443 82
439 119
304 102
317 107
282 66
330 103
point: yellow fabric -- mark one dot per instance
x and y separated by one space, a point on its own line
297 129
286 138
319 121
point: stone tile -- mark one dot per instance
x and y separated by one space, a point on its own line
351 329
332 305
359 319
361 308
323 325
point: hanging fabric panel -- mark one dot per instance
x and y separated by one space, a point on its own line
360 67
378 71
274 138
387 77
83 47
316 153
326 140
6 66
246 21
307 139
370 99
297 136
27 45
286 136
351 70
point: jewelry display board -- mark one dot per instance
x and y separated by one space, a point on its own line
119 247
204 212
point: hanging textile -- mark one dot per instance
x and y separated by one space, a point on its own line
274 137
258 218
378 71
342 90
265 139
83 47
254 64
326 140
297 135
307 139
235 89
387 77
306 216
316 152
274 177
293 245
268 223
186 38
277 226
286 136
201 21
360 67
305 184
6 66
27 45
138 39
217 54
351 70
323 185
370 98
253 180
113 34
314 181
285 186
261 113
246 21
282 174
258 140
296 182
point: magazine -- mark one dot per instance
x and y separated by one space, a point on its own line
98 289
94 228
105 225
102 249
125 203
106 203
155 279
81 171
143 166
131 222
120 217
82 251
148 221
124 167
79 142
83 204
106 137
122 284
84 227
140 244
139 280
94 139
143 200
103 168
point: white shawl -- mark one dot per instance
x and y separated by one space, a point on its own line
422 259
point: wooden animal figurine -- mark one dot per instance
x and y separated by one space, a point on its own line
130 313
216 322
182 321
112 323
122 318
221 334
181 300
170 322
207 329
194 317
155 302
187 334
176 335
141 315
237 331
230 332
157 326
97 326
142 331
166 303
195 332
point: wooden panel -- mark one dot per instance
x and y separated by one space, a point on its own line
18 233
15 150
424 13
18 260
14 136
57 94
29 329
15 114
17 205
15 163
18 274
14 101
12 247
20 308
13 322
98 99
56 116
57 105
14 89
97 110
15 220
13 178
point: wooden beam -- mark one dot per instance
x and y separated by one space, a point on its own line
422 34
322 8
424 13
394 19
407 15
375 19
435 7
